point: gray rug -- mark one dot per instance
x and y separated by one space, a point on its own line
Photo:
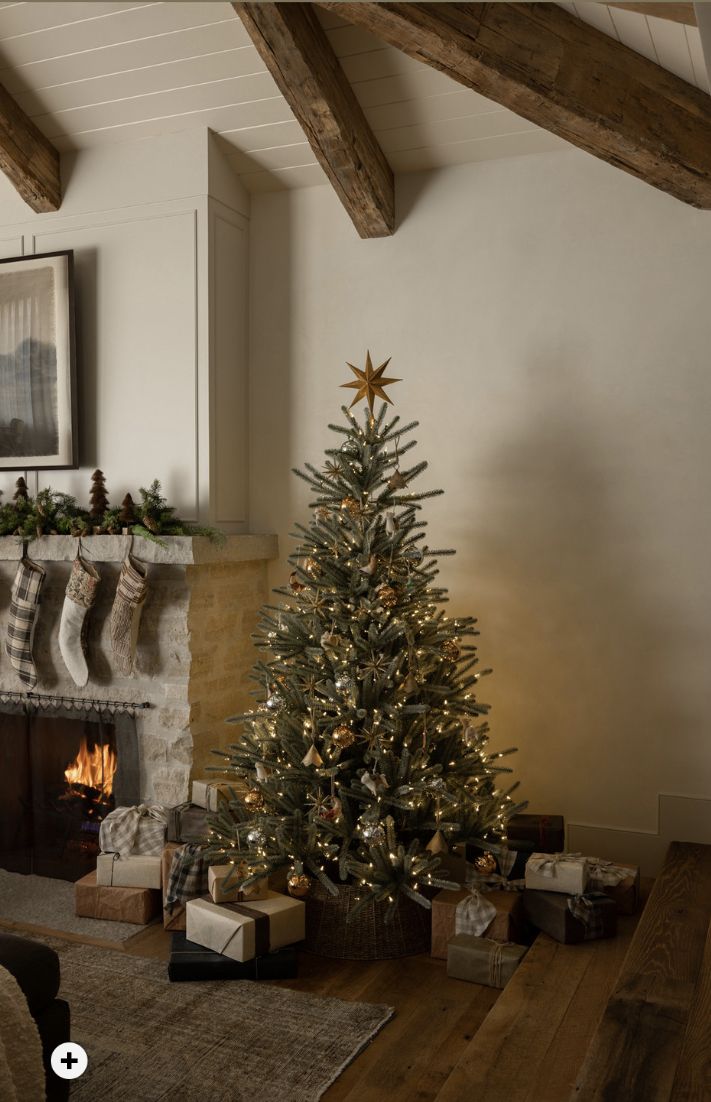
149 1040
49 904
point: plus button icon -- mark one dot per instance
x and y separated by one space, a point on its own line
69 1060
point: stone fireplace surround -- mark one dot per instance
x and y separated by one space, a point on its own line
195 653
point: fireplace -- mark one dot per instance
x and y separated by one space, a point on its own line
61 772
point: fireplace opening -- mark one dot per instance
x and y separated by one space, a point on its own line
61 775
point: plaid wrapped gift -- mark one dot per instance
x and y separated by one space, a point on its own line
24 600
188 875
134 830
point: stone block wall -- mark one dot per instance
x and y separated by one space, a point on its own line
194 653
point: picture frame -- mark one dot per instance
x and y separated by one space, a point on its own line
38 388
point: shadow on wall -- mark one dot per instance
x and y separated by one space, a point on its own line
570 618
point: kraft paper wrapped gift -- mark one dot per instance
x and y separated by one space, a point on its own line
497 915
127 872
572 918
223 884
134 830
481 960
137 905
557 872
210 794
620 882
189 961
242 931
187 823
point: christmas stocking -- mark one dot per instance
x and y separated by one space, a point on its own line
24 601
79 596
130 596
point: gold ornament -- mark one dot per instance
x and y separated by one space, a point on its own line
449 650
369 384
323 513
437 843
485 863
298 884
254 800
312 757
351 506
386 595
295 584
311 566
342 737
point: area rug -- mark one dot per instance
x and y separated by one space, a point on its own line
44 903
149 1040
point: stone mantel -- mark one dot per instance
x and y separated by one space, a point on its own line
195 654
172 551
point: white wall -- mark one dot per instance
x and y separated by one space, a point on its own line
153 369
549 318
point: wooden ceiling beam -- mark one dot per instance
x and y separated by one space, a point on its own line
295 49
565 76
675 13
28 159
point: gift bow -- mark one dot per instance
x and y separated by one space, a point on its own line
547 864
474 913
123 824
605 872
583 907
492 882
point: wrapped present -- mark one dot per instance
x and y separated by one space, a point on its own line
173 915
136 830
620 882
242 931
189 961
481 960
494 914
557 872
223 884
137 905
186 823
571 918
127 872
210 794
183 876
545 833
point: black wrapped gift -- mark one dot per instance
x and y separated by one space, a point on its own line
189 961
545 832
571 918
187 823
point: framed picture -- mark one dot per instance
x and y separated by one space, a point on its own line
38 419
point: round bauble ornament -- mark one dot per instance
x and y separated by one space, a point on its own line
275 703
344 684
485 863
450 650
295 585
256 838
342 736
373 834
322 513
298 884
311 566
351 506
254 800
386 595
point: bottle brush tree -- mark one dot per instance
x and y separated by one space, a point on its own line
365 758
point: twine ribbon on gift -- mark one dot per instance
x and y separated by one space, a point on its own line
496 959
546 864
586 909
120 829
493 882
473 914
606 872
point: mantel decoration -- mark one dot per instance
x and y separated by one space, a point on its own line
37 362
366 757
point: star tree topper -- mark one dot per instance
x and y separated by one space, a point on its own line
370 383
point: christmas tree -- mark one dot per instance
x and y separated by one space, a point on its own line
366 759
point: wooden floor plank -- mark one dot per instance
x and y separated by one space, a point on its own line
635 1051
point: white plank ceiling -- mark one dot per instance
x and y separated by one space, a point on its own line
92 73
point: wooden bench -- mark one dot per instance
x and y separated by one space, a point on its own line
624 1020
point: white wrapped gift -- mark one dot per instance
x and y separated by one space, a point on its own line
140 830
223 884
557 872
245 930
127 872
209 794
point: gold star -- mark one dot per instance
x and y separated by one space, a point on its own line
370 383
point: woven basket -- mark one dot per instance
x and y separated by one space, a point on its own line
367 936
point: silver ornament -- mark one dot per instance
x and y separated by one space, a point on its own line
373 834
256 838
344 684
275 703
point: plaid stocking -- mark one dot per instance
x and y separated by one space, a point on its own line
79 596
131 593
24 600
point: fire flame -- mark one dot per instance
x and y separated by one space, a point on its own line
93 768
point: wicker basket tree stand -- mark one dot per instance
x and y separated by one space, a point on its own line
367 936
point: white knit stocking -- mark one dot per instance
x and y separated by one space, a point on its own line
79 596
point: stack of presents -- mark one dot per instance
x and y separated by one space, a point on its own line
529 885
151 863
